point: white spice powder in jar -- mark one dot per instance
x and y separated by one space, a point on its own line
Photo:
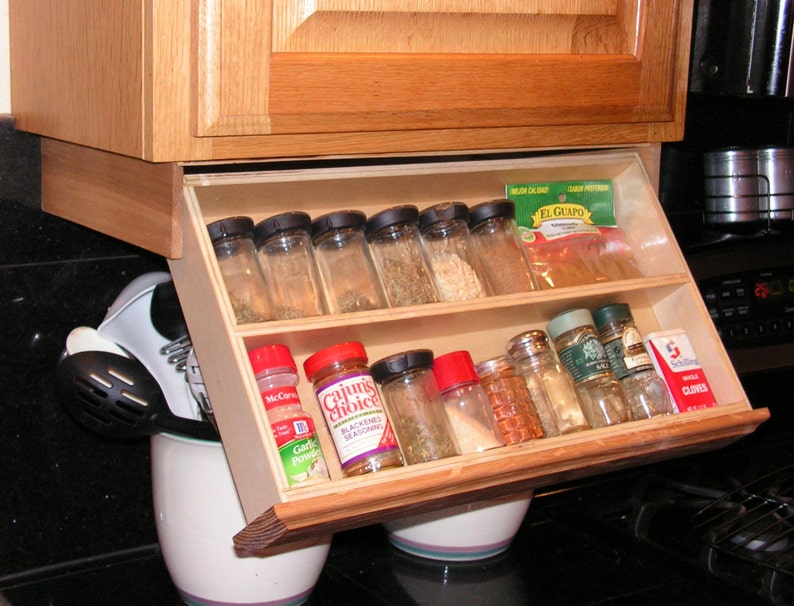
445 236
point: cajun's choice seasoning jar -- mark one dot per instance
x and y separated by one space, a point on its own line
352 408
551 386
286 254
646 391
497 244
396 246
467 405
445 237
350 280
512 405
232 240
293 428
414 404
601 394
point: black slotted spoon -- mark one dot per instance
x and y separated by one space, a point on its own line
117 397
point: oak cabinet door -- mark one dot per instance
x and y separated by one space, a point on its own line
331 66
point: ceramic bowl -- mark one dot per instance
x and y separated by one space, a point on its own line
467 532
197 512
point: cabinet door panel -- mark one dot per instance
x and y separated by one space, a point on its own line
371 65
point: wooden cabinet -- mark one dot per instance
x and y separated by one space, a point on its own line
178 80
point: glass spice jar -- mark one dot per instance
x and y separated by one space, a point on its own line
293 428
232 240
445 237
413 401
551 386
286 255
496 241
512 405
601 394
352 408
396 246
646 391
467 405
350 280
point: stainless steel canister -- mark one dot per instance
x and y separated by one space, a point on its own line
732 186
776 173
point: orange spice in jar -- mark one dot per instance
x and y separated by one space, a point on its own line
507 391
353 410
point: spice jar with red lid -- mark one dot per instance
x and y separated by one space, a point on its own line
353 410
467 405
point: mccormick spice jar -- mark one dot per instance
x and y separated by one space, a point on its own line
353 409
551 386
287 258
467 405
601 394
349 277
396 246
495 240
293 428
512 405
414 403
232 239
445 237
646 391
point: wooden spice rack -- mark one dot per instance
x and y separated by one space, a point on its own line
665 297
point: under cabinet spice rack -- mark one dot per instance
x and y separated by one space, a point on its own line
665 297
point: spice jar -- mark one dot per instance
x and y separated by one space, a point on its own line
350 280
511 402
601 394
413 401
445 237
468 409
396 246
551 386
232 239
497 244
646 391
286 255
352 408
293 428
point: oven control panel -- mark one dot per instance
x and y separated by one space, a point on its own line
752 308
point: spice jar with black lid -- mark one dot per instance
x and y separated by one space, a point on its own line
232 240
352 408
497 243
350 280
467 405
393 236
413 401
286 254
446 239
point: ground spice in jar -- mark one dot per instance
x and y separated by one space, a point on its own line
507 391
456 279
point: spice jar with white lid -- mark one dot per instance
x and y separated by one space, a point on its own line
498 246
602 396
286 255
511 402
646 391
293 428
414 404
350 280
551 386
445 237
393 236
467 405
353 410
232 240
